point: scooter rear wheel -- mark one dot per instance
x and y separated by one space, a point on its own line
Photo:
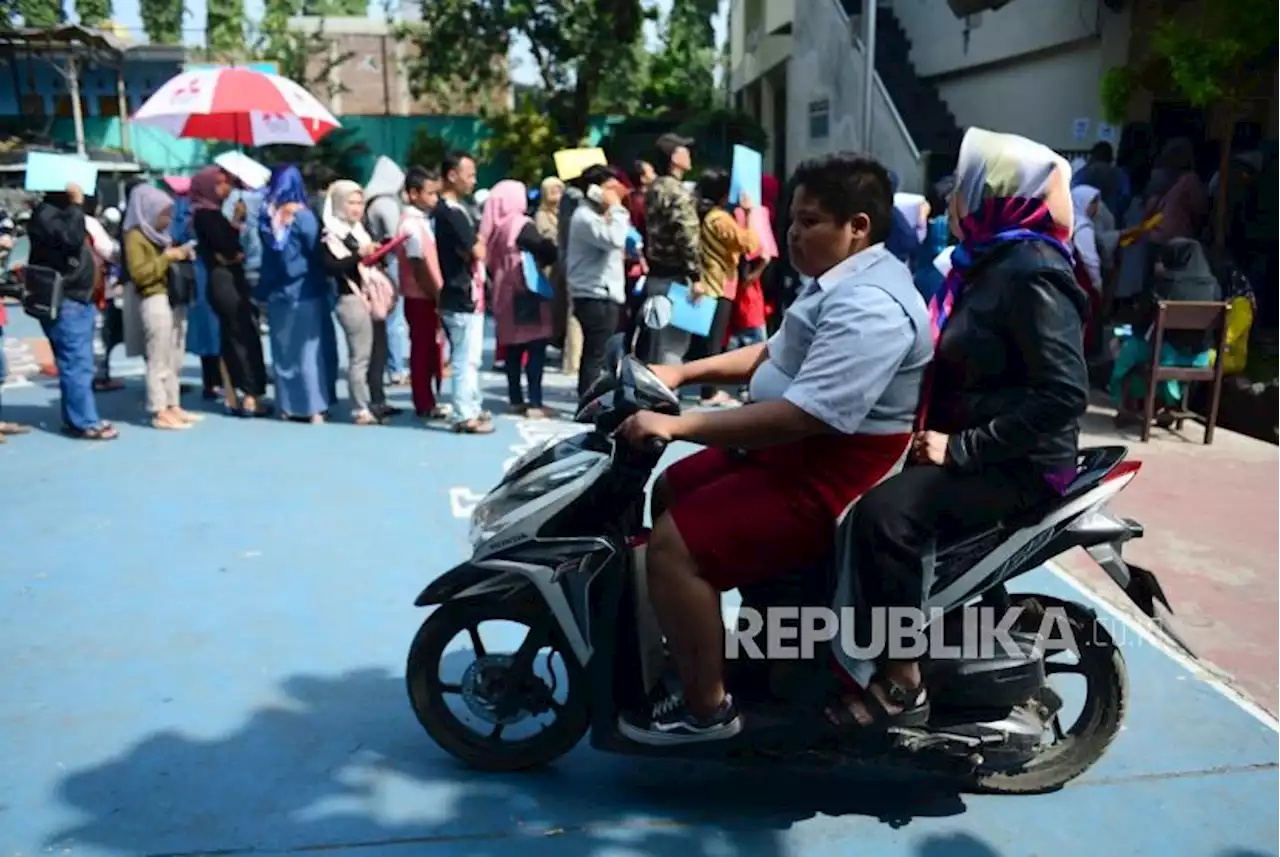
427 691
1098 724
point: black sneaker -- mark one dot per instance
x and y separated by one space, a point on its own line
669 722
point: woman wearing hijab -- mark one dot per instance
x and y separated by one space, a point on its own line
523 317
1085 200
564 328
218 246
903 241
1181 273
149 253
204 336
1004 392
59 242
293 287
365 298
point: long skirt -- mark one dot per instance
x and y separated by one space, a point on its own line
303 356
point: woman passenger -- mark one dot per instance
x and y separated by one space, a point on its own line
1007 386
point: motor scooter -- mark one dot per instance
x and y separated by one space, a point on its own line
559 548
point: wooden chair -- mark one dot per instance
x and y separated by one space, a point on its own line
1186 315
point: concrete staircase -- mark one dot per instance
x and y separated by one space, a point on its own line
932 126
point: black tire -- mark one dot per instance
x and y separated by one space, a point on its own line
1099 721
422 678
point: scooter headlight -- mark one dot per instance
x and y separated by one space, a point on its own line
489 516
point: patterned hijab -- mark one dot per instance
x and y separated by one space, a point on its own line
1007 189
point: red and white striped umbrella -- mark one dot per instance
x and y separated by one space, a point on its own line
238 105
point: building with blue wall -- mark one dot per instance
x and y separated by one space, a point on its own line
33 87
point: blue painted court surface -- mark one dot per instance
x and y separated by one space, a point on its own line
202 640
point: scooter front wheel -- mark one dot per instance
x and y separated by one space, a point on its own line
501 690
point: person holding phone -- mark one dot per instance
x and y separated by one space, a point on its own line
149 256
594 268
218 243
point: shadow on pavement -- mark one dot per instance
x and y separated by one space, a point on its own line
340 763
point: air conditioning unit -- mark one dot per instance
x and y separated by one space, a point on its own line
965 8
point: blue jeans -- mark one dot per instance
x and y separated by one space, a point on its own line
71 337
466 338
748 336
397 329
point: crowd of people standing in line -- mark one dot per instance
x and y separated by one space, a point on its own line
206 266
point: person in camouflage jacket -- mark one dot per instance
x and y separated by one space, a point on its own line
671 243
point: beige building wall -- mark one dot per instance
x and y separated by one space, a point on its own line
825 94
1033 67
375 74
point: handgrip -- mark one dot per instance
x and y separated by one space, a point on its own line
655 446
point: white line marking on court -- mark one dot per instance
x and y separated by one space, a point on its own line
463 501
1198 670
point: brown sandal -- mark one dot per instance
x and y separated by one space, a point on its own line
473 427
912 702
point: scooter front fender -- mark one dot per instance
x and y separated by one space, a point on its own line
458 580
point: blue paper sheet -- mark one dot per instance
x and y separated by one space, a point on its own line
691 316
748 172
50 172
534 280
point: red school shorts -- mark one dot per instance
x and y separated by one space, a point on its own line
745 520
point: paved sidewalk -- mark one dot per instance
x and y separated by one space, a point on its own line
1210 515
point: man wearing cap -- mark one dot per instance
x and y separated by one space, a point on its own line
671 243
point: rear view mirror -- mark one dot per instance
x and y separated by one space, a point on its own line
656 312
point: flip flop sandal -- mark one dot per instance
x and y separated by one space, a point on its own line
913 701
106 431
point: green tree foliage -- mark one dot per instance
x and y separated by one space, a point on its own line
1216 59
426 149
224 29
336 8
682 74
162 20
526 137
41 13
575 46
623 89
92 13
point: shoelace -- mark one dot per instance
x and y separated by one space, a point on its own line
666 705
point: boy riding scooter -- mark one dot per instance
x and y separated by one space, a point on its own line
832 401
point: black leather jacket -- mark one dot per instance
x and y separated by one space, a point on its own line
1010 379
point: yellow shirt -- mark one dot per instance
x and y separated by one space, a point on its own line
721 247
